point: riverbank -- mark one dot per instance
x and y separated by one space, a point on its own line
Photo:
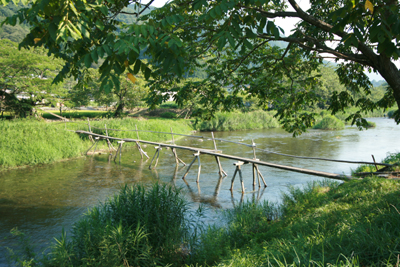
325 223
28 142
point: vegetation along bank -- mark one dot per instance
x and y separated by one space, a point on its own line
354 223
31 142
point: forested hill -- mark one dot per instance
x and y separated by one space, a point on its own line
13 33
18 32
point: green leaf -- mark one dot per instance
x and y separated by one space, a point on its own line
137 66
250 33
221 42
53 31
99 25
231 40
104 10
247 44
94 55
147 73
88 60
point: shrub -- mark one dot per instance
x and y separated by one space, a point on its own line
168 115
329 122
137 227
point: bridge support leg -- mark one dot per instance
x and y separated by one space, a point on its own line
262 177
91 147
196 155
141 150
95 147
177 159
238 170
158 154
119 150
221 171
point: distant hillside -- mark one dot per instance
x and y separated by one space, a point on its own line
18 32
13 33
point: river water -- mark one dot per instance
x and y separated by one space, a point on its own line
43 200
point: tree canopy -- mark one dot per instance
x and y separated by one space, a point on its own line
234 41
26 78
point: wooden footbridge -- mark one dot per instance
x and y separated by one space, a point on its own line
239 162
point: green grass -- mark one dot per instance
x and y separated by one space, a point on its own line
391 158
233 121
30 142
326 224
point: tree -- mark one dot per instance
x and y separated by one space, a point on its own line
26 78
236 39
129 95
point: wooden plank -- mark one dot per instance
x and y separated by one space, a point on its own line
232 157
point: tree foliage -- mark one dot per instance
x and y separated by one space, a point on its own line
233 40
26 78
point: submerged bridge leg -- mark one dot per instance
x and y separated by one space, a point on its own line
158 155
119 150
141 150
196 155
97 139
238 170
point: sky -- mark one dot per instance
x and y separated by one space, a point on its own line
286 24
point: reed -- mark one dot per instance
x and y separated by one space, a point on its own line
232 121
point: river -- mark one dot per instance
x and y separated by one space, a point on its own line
43 200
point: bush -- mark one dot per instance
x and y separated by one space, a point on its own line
329 122
168 115
137 227
224 121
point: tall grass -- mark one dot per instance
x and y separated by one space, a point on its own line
232 121
30 142
324 224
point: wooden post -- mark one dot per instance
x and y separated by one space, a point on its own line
190 165
90 148
173 149
137 132
238 170
198 172
221 171
90 130
119 150
376 166
253 165
158 148
97 140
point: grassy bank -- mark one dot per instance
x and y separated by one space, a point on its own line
233 121
325 224
31 142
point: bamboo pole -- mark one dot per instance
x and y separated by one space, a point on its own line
376 166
